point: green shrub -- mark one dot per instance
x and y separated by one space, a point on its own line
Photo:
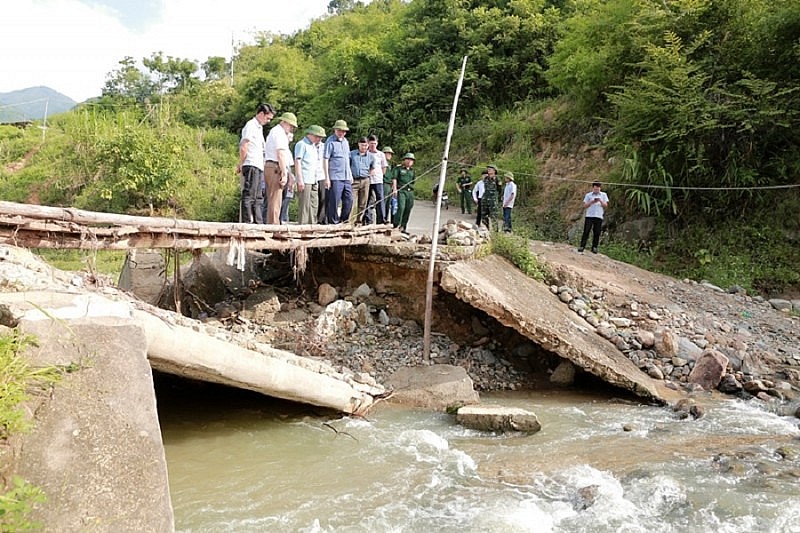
516 250
17 503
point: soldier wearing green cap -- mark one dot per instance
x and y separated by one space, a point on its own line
489 202
307 167
464 186
403 178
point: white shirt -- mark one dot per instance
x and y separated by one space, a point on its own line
478 190
277 140
595 210
380 167
509 194
253 133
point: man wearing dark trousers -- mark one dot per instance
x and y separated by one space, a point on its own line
595 203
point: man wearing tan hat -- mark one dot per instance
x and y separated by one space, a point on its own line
509 195
276 166
338 177
306 164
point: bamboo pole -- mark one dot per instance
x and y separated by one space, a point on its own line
426 338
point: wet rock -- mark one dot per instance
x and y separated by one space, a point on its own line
586 497
498 418
729 384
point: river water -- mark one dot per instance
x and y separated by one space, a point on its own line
241 462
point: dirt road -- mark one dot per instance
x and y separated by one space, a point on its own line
421 220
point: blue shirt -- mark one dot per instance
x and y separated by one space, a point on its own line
308 157
360 164
337 153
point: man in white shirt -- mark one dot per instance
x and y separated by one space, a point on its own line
251 165
595 203
376 184
276 167
509 195
477 195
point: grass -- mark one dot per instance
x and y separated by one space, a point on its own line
17 379
516 250
101 261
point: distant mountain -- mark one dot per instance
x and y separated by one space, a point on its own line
29 104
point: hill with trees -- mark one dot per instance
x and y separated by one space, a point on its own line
686 109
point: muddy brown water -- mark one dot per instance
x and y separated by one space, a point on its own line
241 462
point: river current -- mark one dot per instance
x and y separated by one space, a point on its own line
240 462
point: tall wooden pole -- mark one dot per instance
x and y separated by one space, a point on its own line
426 339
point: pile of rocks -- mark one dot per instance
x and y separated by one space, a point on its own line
709 339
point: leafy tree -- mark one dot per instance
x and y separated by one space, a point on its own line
171 73
128 82
215 68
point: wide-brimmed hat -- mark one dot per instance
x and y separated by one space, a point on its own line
341 125
387 150
319 131
409 155
492 167
509 175
289 118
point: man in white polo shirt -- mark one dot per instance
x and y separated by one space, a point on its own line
251 165
276 167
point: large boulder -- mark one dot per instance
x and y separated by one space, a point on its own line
432 387
498 418
143 274
709 369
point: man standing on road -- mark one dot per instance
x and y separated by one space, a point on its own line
595 203
338 178
489 202
464 186
387 184
477 196
362 167
306 158
251 165
276 168
403 178
509 195
375 200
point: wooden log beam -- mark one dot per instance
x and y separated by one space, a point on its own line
35 226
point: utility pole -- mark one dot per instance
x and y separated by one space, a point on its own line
233 51
44 119
426 338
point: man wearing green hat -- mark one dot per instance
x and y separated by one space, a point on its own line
403 179
489 202
276 166
306 164
338 178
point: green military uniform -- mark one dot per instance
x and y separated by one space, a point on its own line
404 181
387 185
490 202
464 183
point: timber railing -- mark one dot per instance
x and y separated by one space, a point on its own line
37 226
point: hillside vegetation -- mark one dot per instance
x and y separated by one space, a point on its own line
686 109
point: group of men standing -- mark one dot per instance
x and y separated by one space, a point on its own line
330 178
486 196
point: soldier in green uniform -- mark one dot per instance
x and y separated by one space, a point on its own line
464 186
490 200
403 178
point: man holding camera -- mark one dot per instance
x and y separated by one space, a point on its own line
595 203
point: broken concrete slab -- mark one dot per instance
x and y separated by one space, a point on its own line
496 287
96 448
432 387
498 418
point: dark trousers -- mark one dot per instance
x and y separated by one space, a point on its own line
375 202
322 206
466 202
592 224
252 196
478 210
507 218
341 190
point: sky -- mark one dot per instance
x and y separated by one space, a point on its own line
70 45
